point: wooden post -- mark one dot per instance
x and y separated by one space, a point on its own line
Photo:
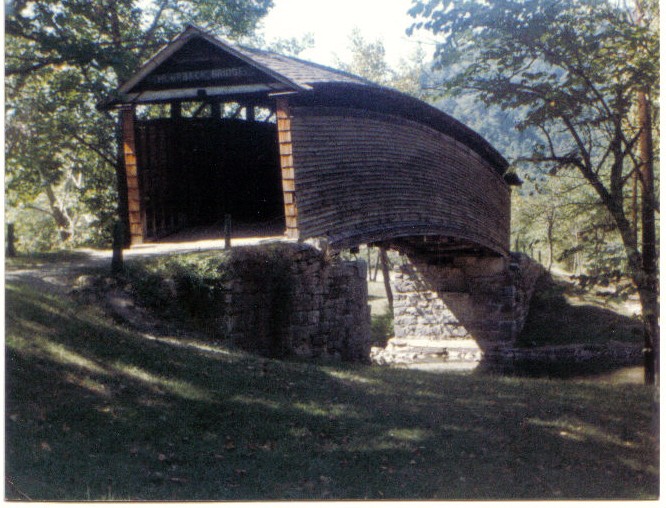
137 233
11 238
287 165
249 112
374 277
227 231
387 277
118 241
176 111
215 109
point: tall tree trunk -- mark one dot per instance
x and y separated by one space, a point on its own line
62 220
648 292
387 276
634 205
650 277
551 240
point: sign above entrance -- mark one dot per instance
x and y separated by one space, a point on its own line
203 75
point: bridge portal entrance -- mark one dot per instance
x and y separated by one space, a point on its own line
196 171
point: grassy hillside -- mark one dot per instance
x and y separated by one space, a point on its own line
562 313
95 410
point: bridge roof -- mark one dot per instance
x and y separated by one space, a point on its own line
196 65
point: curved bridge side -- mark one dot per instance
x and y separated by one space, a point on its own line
364 177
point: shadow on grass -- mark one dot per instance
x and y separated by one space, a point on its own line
552 320
585 340
96 411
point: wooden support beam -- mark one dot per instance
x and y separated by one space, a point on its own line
287 165
10 251
176 110
136 222
215 110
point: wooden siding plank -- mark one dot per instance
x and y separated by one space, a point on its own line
369 177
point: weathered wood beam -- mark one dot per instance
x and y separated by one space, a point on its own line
216 109
287 166
136 219
194 93
176 109
249 112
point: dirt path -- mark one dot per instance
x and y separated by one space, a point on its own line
59 274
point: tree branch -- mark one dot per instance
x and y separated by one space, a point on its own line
151 30
90 146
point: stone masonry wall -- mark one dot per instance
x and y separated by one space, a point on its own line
292 299
457 313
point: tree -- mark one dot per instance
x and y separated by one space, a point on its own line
62 58
578 69
56 154
368 60
562 219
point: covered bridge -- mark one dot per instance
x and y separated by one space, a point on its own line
211 128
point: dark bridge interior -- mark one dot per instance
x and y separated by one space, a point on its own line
196 170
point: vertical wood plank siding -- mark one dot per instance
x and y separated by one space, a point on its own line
363 176
137 232
287 165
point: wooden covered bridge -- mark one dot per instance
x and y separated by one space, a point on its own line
212 129
261 136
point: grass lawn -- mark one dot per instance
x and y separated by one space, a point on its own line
560 313
97 411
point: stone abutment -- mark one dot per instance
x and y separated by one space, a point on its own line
459 313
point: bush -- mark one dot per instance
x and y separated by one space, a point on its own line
187 288
381 328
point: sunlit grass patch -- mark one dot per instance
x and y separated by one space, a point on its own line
89 383
174 386
579 430
37 259
407 434
351 376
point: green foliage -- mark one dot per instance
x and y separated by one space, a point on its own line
381 328
368 60
187 288
292 46
34 230
559 221
191 288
